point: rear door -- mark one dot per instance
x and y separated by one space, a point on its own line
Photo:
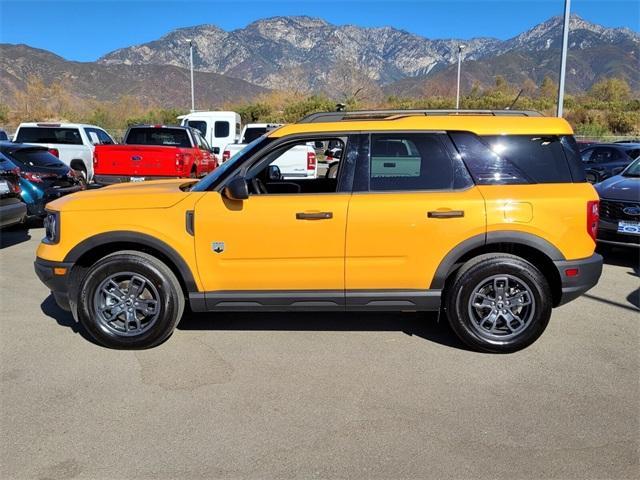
413 202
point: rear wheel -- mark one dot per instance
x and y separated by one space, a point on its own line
131 300
499 303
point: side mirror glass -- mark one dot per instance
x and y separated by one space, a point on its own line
237 189
215 150
273 172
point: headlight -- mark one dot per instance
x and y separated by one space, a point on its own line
52 228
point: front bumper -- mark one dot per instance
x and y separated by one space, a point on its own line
588 273
608 234
55 281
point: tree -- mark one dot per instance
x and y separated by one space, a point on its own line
610 90
548 88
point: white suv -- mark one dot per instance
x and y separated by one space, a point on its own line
73 143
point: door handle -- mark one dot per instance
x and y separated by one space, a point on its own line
445 214
314 215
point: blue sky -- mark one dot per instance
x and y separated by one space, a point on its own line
85 30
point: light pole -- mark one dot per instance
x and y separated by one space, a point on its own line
460 47
563 59
193 98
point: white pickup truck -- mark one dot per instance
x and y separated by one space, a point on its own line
73 143
297 162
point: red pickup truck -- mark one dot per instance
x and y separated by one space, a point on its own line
154 151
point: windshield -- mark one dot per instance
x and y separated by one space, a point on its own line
632 170
211 179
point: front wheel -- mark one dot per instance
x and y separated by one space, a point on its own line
130 299
498 303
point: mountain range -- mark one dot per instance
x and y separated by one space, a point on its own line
308 54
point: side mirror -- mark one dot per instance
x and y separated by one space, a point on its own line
216 150
273 172
237 189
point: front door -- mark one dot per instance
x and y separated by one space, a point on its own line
281 247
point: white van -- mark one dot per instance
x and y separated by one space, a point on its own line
217 128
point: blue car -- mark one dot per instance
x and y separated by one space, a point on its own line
43 177
620 208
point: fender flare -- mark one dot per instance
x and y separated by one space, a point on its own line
507 236
141 239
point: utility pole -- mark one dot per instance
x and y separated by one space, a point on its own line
460 47
193 98
563 60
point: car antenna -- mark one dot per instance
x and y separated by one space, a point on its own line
514 102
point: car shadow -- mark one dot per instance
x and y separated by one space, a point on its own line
422 325
51 309
628 258
18 233
426 326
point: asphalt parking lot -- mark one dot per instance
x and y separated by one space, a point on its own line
318 395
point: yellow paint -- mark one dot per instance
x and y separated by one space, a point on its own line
373 240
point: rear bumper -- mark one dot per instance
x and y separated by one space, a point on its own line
589 271
12 213
112 179
57 283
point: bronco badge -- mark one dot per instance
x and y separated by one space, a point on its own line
217 247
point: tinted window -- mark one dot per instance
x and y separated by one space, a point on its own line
409 161
604 155
3 135
250 134
200 125
36 158
221 129
586 155
572 154
64 136
486 166
541 158
171 137
633 153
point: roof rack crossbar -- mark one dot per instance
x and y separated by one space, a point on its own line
386 114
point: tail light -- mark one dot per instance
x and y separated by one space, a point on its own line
54 151
95 159
32 177
226 155
311 161
182 161
593 217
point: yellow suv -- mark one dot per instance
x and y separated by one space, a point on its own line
482 215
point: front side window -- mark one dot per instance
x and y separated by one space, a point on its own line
293 168
409 161
221 129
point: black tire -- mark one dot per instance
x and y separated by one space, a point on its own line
161 282
467 321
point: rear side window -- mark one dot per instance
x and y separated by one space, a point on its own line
250 134
170 137
409 161
221 129
63 136
517 159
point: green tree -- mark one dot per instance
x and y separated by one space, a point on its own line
610 90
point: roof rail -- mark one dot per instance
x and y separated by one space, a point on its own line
393 114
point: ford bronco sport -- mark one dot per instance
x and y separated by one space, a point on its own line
484 216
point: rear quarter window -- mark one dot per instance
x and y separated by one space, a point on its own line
514 159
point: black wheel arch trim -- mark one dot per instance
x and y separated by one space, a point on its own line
141 239
490 238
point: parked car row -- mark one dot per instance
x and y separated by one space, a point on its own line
603 160
31 177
